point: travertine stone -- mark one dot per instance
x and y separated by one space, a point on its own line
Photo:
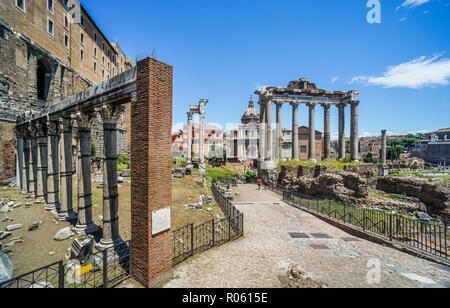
279 136
262 131
32 170
327 132
189 137
269 139
42 158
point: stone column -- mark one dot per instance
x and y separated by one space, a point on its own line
354 135
189 138
53 167
19 158
85 225
110 114
201 139
279 135
269 139
294 131
26 160
65 170
32 170
327 132
341 133
312 133
262 131
383 167
42 155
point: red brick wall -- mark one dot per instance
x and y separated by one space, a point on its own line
151 157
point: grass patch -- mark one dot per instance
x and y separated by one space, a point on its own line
335 164
221 172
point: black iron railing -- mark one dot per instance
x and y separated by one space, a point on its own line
190 240
104 269
428 236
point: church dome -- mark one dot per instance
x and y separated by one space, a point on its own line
251 114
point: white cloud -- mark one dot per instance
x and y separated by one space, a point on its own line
415 74
412 4
334 79
403 19
426 12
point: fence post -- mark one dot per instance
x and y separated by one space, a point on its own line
390 227
213 232
229 228
192 239
364 219
344 214
61 275
445 238
105 268
329 208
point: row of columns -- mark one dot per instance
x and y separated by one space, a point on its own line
265 141
201 111
44 156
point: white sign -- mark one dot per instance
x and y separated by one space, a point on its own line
160 220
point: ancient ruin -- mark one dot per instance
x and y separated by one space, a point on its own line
304 92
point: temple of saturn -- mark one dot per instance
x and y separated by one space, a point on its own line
44 162
200 110
303 92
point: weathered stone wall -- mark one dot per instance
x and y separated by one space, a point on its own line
7 151
436 197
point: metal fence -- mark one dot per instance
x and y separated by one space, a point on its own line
190 240
428 236
104 269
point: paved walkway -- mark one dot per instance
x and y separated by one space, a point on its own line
262 257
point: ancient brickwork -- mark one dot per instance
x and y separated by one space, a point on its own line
151 181
7 151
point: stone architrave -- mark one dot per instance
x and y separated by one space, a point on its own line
84 225
110 114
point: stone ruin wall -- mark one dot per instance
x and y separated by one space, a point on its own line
356 185
17 73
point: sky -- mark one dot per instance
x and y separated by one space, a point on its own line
224 50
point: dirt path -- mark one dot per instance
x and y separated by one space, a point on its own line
262 257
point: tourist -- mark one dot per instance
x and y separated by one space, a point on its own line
266 185
259 184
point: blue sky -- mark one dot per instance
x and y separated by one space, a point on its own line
224 50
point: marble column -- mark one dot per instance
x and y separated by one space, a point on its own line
327 132
53 167
384 170
201 138
65 170
294 131
312 133
84 225
354 134
262 131
42 155
341 133
279 134
26 160
269 133
110 114
19 157
189 138
32 170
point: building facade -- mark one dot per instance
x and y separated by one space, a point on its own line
49 50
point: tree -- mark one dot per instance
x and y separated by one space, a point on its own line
393 153
369 159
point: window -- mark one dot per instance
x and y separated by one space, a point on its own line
108 66
103 46
82 21
95 67
103 73
95 52
114 72
66 21
109 54
82 38
82 55
50 6
66 3
50 27
302 149
66 41
21 5
103 60
95 37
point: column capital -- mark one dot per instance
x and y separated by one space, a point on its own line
341 105
278 103
325 106
84 118
189 114
311 104
41 127
354 103
294 104
110 113
53 128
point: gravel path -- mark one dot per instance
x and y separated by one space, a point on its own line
262 257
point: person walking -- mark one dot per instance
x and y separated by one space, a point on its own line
266 185
259 184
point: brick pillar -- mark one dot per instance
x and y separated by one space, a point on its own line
151 158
